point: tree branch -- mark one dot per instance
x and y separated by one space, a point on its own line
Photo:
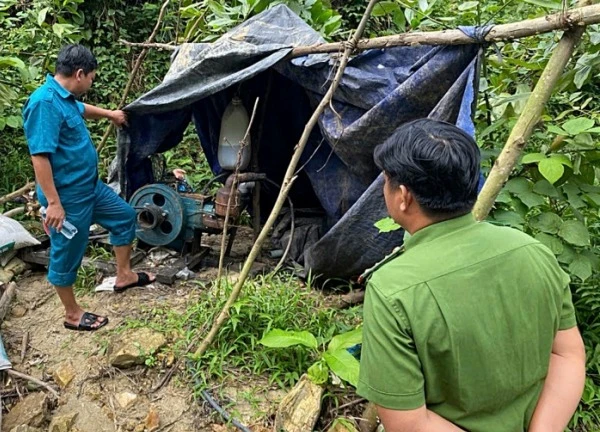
149 45
578 17
134 72
17 193
528 120
41 383
288 181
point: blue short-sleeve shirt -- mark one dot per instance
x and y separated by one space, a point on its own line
54 125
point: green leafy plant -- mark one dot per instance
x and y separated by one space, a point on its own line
335 358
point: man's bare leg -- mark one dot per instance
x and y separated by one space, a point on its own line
73 311
125 275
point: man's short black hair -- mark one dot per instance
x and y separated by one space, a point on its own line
74 57
437 162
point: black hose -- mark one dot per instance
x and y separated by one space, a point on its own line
213 403
205 189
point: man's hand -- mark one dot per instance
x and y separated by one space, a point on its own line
118 117
563 385
55 216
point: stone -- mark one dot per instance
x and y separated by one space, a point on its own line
15 266
299 409
152 421
64 374
31 411
133 347
62 423
125 399
24 428
18 311
139 428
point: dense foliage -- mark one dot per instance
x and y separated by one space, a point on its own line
554 193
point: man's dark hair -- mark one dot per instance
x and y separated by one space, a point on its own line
74 57
437 162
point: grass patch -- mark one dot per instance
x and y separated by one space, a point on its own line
266 302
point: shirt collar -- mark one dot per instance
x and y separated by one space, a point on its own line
439 229
63 92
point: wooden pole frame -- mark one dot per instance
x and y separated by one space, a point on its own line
529 118
577 17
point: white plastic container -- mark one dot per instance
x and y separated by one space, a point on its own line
234 124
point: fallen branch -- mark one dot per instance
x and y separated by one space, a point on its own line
17 193
134 72
7 297
573 18
529 118
288 181
26 377
149 45
14 212
24 344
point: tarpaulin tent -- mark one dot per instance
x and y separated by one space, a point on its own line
380 90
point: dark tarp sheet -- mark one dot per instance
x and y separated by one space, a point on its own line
380 90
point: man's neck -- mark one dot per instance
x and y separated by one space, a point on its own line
420 221
417 224
66 82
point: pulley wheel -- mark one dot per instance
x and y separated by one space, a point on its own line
160 215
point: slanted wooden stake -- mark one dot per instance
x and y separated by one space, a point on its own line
527 121
288 181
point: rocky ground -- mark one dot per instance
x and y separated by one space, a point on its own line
103 383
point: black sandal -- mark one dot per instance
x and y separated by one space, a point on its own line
143 280
86 323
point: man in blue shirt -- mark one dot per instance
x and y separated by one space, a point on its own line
66 169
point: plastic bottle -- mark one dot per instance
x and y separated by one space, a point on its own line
234 124
68 229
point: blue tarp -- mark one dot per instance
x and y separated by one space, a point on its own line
380 90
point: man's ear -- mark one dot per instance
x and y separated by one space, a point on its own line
79 74
407 198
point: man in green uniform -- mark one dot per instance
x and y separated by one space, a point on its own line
472 327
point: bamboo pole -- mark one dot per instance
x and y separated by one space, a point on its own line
288 181
134 72
578 17
527 121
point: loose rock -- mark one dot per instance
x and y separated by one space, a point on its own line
133 347
24 428
152 421
62 423
299 410
29 412
64 374
18 311
125 399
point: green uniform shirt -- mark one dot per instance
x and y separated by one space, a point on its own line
463 321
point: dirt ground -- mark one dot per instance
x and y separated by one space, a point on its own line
97 388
